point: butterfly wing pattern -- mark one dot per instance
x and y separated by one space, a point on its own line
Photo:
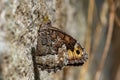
56 49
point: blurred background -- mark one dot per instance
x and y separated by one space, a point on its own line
94 23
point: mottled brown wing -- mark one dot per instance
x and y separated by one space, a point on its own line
51 39
56 49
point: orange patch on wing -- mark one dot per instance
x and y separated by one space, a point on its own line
67 38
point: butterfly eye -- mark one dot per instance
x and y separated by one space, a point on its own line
78 52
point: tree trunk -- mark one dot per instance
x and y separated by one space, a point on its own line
19 23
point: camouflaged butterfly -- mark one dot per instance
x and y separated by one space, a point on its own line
56 49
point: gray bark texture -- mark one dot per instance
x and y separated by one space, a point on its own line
19 22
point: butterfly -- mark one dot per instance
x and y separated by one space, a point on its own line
56 49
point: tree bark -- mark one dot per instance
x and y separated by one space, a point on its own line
19 23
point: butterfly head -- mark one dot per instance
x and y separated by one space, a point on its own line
78 56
